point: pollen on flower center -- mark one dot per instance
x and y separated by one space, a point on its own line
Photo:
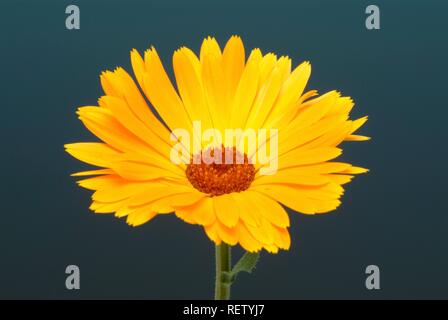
220 170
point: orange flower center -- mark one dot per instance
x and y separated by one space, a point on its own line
220 170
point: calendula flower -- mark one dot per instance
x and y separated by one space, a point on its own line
236 202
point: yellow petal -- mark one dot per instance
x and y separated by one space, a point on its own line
101 182
216 91
320 168
228 235
263 233
299 157
124 211
358 123
93 172
355 137
343 106
315 109
99 207
355 170
185 214
152 191
246 90
294 137
290 93
212 233
201 212
140 216
246 240
101 122
265 99
292 176
138 65
332 138
233 59
127 118
268 208
271 248
190 86
247 212
213 78
138 171
226 209
162 95
282 238
210 46
126 90
267 64
301 200
340 178
169 203
97 154
307 95
118 192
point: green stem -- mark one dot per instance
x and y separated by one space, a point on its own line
223 271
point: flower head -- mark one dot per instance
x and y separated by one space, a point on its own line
154 157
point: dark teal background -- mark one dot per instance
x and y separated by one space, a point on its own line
395 217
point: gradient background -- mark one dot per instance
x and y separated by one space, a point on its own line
395 217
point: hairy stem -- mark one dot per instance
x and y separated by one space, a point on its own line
223 272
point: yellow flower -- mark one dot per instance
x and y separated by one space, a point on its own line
234 203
